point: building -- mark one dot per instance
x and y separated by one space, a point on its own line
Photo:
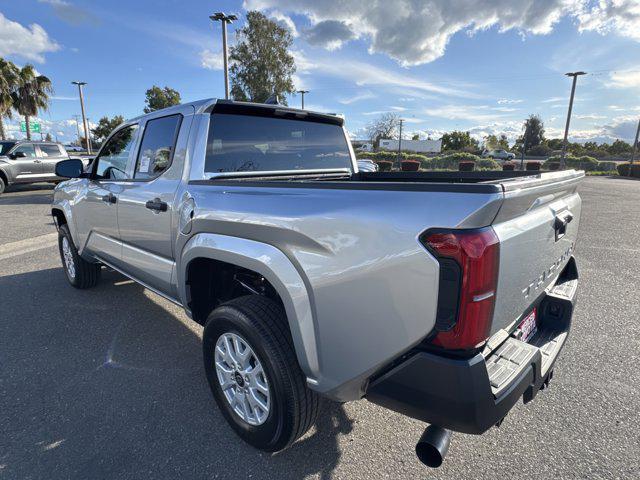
418 146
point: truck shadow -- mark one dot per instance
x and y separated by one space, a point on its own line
28 194
109 383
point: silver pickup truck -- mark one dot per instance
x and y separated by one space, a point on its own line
446 296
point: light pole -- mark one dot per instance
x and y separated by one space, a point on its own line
302 92
84 118
220 16
635 148
575 76
400 145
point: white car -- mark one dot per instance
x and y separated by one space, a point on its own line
498 154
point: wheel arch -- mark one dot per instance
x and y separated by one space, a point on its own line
4 177
213 251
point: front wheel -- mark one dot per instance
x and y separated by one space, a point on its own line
253 373
2 185
80 273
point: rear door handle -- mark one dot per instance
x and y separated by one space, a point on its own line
157 205
109 198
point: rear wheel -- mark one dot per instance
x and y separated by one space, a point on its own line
253 373
80 273
2 185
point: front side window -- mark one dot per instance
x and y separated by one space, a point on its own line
157 147
244 143
28 149
112 162
50 151
5 147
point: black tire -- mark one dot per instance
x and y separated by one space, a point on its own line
85 274
2 185
263 324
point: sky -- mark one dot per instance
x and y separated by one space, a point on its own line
476 65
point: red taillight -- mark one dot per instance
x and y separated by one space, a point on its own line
477 254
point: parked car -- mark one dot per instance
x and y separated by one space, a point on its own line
366 165
498 154
29 162
74 148
416 290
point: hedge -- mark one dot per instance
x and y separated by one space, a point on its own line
508 166
393 157
580 163
533 165
607 166
451 161
487 164
623 169
466 166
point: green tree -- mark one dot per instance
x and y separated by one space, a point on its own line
48 137
8 84
105 126
261 64
555 144
416 136
158 98
503 142
533 131
31 94
386 126
458 140
491 142
620 146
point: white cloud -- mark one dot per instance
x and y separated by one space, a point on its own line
211 60
416 31
284 21
330 34
508 101
624 79
70 13
472 113
621 17
30 43
362 73
357 97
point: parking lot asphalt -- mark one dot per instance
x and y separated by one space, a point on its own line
109 382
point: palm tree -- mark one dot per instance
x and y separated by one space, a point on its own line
31 94
8 83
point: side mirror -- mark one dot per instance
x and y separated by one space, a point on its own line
18 155
69 168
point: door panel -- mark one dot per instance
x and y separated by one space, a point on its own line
50 155
97 211
98 217
26 169
146 215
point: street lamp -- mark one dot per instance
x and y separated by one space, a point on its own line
302 92
84 118
575 76
220 16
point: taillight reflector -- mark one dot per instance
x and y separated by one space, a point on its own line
477 252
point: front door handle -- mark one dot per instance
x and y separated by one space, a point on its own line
157 205
109 198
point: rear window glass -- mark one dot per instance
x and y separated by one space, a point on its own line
242 143
50 151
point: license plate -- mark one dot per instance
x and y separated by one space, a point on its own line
528 327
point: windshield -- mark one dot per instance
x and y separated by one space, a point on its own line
244 143
5 147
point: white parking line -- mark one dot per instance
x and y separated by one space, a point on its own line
13 249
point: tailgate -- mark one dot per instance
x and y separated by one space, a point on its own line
537 226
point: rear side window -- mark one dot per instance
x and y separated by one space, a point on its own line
50 150
242 143
157 148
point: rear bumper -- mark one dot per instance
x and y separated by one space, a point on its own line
471 395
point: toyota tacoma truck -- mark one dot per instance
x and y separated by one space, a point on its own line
27 161
445 296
